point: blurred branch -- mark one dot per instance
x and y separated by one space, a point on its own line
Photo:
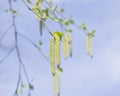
18 82
18 52
39 17
61 16
1 61
36 46
5 32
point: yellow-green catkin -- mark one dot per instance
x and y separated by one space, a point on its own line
65 47
57 50
91 46
56 84
87 44
70 43
52 55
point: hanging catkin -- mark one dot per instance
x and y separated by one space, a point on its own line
52 55
65 46
57 50
70 43
91 46
87 44
56 84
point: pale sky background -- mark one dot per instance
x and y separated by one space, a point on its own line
82 76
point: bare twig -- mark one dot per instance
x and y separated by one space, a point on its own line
18 82
18 52
60 15
41 19
36 46
1 61
5 32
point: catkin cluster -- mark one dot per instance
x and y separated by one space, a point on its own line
89 45
55 62
55 45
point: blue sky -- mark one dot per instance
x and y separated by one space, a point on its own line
82 76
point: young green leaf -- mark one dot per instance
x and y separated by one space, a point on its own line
40 43
61 10
68 21
60 34
38 2
84 26
31 87
92 33
29 1
23 85
60 69
46 12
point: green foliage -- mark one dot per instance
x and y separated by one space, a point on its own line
54 9
37 10
69 30
13 11
60 20
29 1
31 87
23 85
84 26
38 2
68 21
60 69
92 33
46 10
45 13
61 10
60 34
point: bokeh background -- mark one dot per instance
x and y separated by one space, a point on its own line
82 76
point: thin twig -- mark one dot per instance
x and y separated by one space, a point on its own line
18 82
41 19
63 27
14 26
5 32
4 58
17 50
35 45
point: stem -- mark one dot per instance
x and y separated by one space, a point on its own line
4 58
26 38
18 52
6 32
39 17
